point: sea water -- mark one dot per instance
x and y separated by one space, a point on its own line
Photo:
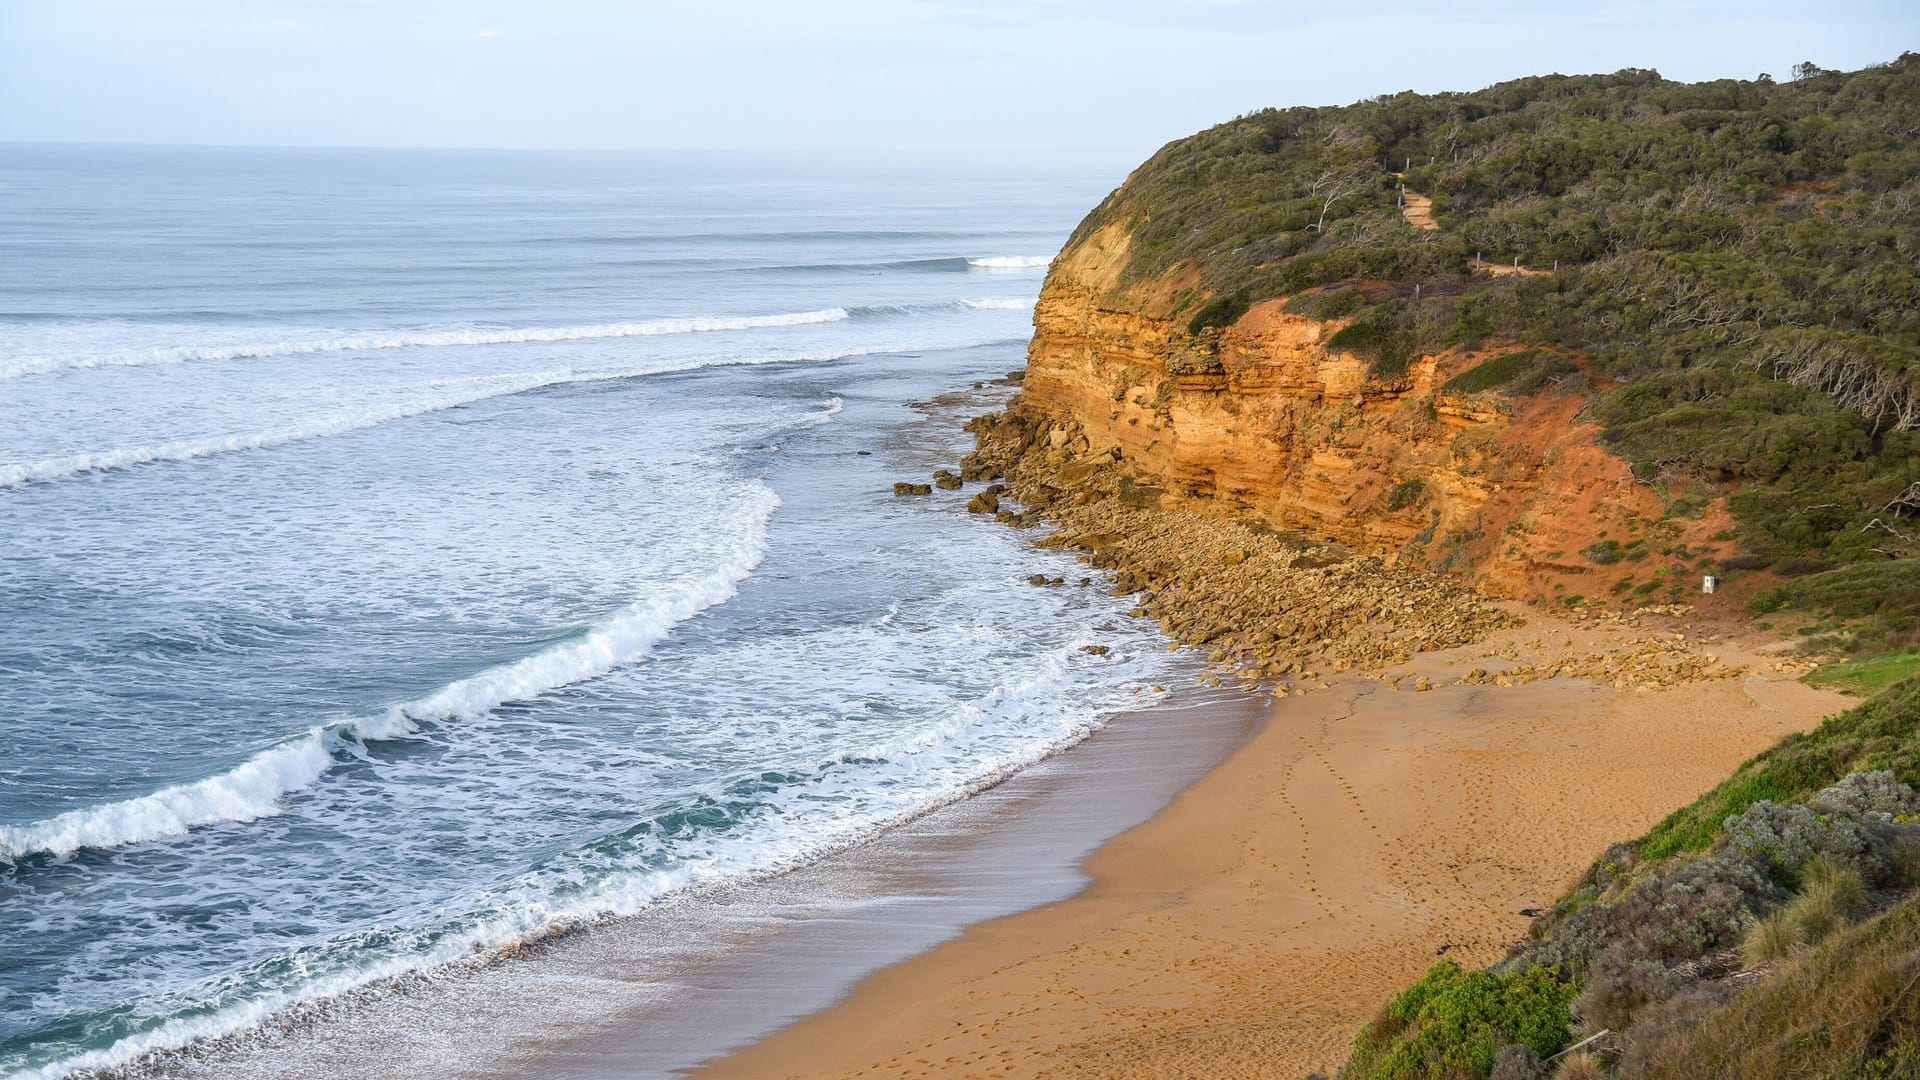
406 553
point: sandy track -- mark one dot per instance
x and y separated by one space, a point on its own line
1418 210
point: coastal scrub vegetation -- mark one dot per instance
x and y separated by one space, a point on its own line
1455 1022
1728 268
1771 929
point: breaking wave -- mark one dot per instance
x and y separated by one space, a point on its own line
255 788
470 391
40 365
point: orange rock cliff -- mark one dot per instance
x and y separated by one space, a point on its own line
1261 418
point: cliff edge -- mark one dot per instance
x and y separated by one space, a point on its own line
1581 340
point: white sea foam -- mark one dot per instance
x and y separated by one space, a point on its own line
340 423
824 414
251 790
463 392
837 808
38 365
999 303
254 788
627 637
1011 262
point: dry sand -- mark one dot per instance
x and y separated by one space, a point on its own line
1254 925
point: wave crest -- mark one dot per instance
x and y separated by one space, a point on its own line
255 788
40 365
471 391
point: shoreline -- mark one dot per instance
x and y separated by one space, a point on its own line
656 993
707 969
1445 765
1252 926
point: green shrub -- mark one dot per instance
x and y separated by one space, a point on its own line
1881 733
1453 1022
1328 303
1406 493
1224 310
1742 328
1387 347
1879 600
1518 374
1603 552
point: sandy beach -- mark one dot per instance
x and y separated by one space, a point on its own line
1255 924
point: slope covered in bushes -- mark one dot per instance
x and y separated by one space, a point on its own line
1766 930
1734 264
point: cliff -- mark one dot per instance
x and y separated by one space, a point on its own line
1274 388
1580 340
1266 417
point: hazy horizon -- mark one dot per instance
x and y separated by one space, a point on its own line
1067 80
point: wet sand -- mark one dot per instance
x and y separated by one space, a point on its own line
655 993
1255 924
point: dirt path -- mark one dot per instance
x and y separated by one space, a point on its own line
1418 210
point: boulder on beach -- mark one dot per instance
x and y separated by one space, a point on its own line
984 502
945 480
904 488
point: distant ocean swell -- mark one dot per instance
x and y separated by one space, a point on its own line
469 391
776 824
954 264
404 340
254 788
365 342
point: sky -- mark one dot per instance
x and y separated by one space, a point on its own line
1093 79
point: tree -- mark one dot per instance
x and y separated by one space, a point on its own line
1333 185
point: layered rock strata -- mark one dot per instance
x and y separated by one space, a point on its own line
1262 420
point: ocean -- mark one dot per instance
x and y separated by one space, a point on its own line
408 554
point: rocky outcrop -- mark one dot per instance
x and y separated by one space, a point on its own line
1262 604
1262 419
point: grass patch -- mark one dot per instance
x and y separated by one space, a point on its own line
1879 602
1866 676
1844 1008
1518 374
1770 940
1882 733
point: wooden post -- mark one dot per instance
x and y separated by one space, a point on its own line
1601 1034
